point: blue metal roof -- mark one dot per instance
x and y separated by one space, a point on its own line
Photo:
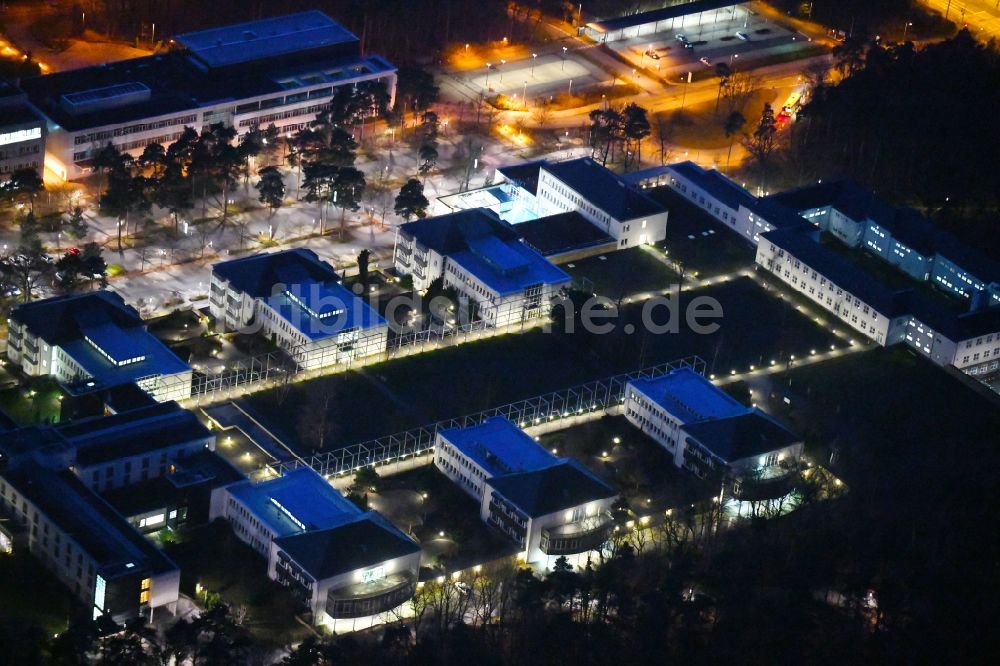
257 274
254 40
603 188
499 447
323 309
300 501
563 485
715 184
133 343
508 267
688 396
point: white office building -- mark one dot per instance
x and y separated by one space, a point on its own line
704 429
91 342
279 71
483 259
550 507
347 566
296 301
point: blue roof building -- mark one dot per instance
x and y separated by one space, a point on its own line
296 300
704 428
94 341
548 506
342 562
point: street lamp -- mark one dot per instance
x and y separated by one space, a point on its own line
502 62
905 28
533 56
488 68
524 95
564 58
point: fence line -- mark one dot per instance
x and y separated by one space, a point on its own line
588 397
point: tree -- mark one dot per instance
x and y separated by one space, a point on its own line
635 129
318 183
76 225
348 188
723 71
428 157
763 142
317 426
26 267
76 264
364 257
172 191
411 202
271 189
153 160
739 89
734 123
24 184
126 194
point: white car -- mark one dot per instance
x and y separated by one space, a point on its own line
680 37
706 62
744 36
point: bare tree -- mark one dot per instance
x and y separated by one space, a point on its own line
738 90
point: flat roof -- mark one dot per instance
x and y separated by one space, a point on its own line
603 188
688 396
321 310
499 447
741 436
257 274
799 243
101 531
524 175
667 13
177 84
265 38
508 267
132 433
561 486
300 501
366 541
452 232
716 184
562 232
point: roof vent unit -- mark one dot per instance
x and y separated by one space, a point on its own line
109 97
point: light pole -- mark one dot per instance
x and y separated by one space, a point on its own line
905 28
570 90
488 68
533 56
564 59
502 62
524 95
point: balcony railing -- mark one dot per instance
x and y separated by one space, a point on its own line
379 596
577 537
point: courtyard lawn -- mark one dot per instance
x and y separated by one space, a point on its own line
699 244
886 411
39 402
213 557
446 523
31 594
620 274
408 392
641 469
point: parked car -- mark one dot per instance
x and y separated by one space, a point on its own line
653 54
706 62
744 36
681 37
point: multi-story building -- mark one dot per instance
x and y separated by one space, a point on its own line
50 477
944 332
901 237
93 341
22 133
279 71
484 260
619 209
297 301
348 566
727 202
550 507
704 429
